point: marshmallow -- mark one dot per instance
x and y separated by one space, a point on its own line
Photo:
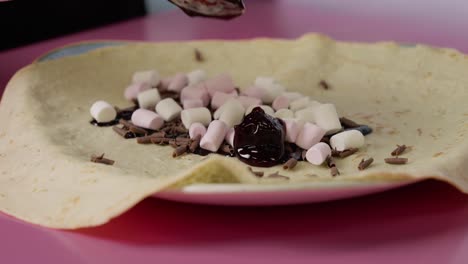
178 82
219 98
280 102
168 109
232 113
318 153
148 99
132 91
247 101
220 83
197 129
147 119
150 77
327 118
254 91
164 83
271 87
347 139
268 110
292 130
293 95
195 92
214 136
309 135
307 115
219 111
284 114
299 104
103 112
196 77
195 115
230 136
192 103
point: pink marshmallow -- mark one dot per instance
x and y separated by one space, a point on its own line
133 90
230 137
220 83
147 119
192 103
318 153
309 135
292 130
214 136
164 83
178 82
219 98
195 92
197 129
254 91
280 102
247 101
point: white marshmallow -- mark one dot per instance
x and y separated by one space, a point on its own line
219 98
268 110
192 103
232 101
318 153
248 101
280 102
150 77
310 135
299 104
327 118
271 87
292 130
168 109
347 139
147 119
148 99
284 114
197 129
195 115
178 82
233 113
132 91
196 76
230 136
214 136
102 111
293 95
307 115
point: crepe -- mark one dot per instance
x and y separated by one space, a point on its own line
409 95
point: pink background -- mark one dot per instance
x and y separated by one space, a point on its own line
424 223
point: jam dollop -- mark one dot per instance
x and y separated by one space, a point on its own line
259 139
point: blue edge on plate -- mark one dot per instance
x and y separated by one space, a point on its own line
85 47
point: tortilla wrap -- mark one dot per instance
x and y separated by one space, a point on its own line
409 95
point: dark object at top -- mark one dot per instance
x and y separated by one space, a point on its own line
223 9
259 139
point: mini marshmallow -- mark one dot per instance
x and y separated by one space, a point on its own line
148 99
197 129
313 103
230 136
299 104
232 113
178 82
347 139
164 83
168 109
195 92
150 77
271 87
247 101
280 102
318 153
103 112
309 135
284 114
254 91
214 136
268 110
132 91
195 115
307 115
192 103
196 77
220 83
147 119
219 98
227 104
327 118
292 130
293 95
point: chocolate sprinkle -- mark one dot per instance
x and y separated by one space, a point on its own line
399 150
334 171
130 126
123 132
345 153
365 163
396 161
331 164
256 173
278 176
324 85
101 159
348 123
290 164
195 143
179 151
199 56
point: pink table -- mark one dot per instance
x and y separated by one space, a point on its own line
423 223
